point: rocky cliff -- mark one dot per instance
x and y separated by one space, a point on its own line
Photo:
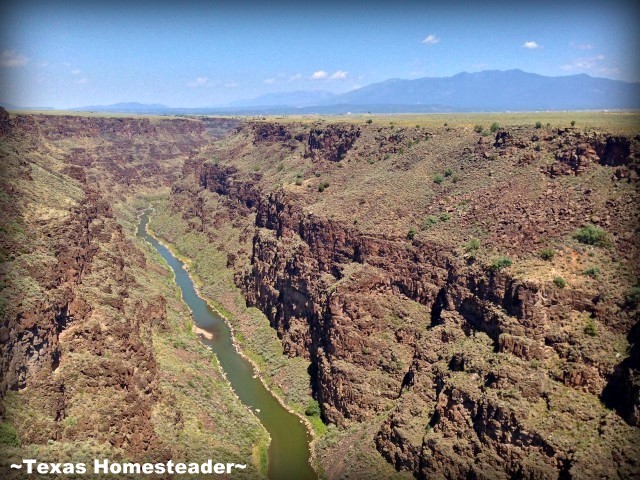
85 326
462 333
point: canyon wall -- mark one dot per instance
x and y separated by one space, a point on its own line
480 371
85 325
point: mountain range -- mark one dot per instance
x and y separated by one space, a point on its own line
489 90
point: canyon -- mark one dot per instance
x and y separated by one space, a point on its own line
460 302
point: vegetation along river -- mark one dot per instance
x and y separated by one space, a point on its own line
289 450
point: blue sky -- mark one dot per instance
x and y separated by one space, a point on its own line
71 53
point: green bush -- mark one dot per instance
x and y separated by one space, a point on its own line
298 181
592 235
547 253
501 262
313 409
438 179
538 124
448 172
369 121
632 298
573 123
430 221
592 272
591 329
8 435
472 245
322 186
444 216
559 282
478 128
412 233
494 127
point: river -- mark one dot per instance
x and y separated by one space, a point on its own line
289 451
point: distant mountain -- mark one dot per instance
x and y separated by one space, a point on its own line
496 90
290 99
11 106
490 90
126 107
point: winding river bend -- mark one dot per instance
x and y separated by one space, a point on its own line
289 451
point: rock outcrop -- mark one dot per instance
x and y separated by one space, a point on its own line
484 373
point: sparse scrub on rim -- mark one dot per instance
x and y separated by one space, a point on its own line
592 272
547 253
430 221
591 328
592 235
472 245
500 262
559 282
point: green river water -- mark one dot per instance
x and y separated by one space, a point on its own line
289 448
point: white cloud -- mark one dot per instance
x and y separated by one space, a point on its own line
581 46
431 39
11 58
82 81
592 64
319 75
230 85
199 82
339 75
531 45
269 81
76 71
295 77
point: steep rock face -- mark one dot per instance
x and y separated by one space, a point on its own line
482 373
331 143
74 332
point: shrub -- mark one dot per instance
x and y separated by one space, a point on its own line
412 233
478 128
632 298
8 435
455 178
537 147
547 253
538 124
573 123
500 262
444 216
486 133
322 186
591 235
591 329
369 121
298 181
472 245
592 272
494 127
448 172
430 221
313 409
438 179
559 282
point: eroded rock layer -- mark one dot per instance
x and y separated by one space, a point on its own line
486 356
